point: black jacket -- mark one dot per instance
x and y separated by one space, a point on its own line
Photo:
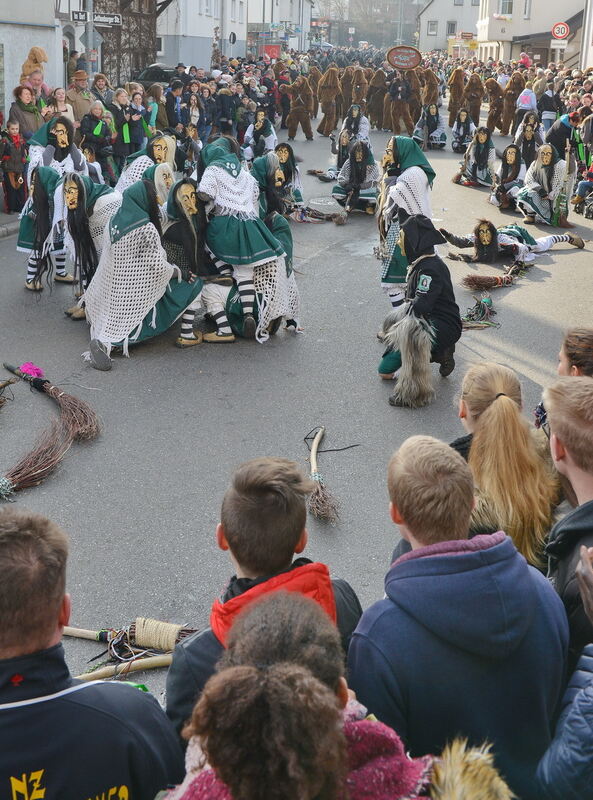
195 658
76 740
88 126
120 148
558 135
430 289
226 105
563 551
566 770
171 110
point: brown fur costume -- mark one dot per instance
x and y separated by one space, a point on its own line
456 85
472 97
35 60
314 78
327 89
399 110
375 98
430 94
413 77
513 89
467 773
301 106
278 67
360 87
495 96
346 88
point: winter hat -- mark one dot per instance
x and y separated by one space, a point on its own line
216 73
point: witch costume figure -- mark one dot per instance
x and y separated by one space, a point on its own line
544 197
406 183
490 243
527 142
135 293
427 326
356 187
162 177
53 146
509 179
429 132
87 208
260 137
357 126
38 236
236 236
340 148
160 149
477 168
462 132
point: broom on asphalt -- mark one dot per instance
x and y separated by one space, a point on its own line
483 283
322 504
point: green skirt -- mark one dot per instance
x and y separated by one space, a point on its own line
365 196
395 264
170 307
242 242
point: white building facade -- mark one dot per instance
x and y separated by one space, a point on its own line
439 21
186 30
281 22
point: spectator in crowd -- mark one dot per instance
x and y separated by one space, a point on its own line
315 742
58 105
120 109
192 110
208 114
72 66
25 111
566 770
158 112
173 105
262 526
569 407
424 662
101 89
138 115
576 354
13 155
563 131
95 131
128 742
549 105
181 74
41 90
79 96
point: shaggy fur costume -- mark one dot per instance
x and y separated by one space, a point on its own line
413 77
455 92
301 107
400 110
326 93
314 78
35 60
464 773
375 99
346 82
514 88
472 97
360 87
412 337
430 94
495 96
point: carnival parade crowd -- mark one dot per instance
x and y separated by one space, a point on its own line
472 677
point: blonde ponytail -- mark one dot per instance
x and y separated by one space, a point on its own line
506 466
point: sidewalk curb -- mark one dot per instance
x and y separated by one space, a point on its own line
8 229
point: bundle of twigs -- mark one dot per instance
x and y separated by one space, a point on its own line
3 386
480 283
78 420
145 644
322 504
480 315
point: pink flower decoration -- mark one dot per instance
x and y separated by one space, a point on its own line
28 368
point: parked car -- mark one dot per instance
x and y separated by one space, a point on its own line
155 73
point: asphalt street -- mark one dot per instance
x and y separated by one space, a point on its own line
141 503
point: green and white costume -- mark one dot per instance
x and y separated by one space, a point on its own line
42 151
539 195
258 141
135 293
367 195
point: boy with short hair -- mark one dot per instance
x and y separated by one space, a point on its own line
13 155
469 640
569 407
262 526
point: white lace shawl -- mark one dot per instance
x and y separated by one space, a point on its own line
133 172
411 192
61 167
233 197
372 175
532 183
131 278
104 209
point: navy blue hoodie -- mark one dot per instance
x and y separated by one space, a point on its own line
468 641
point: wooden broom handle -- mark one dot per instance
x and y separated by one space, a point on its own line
152 662
314 447
81 633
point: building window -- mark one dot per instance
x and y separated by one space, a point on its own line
451 27
432 27
506 7
233 10
457 2
241 11
216 8
159 46
207 7
200 11
475 2
526 9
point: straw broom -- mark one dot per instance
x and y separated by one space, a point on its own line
482 283
322 504
123 668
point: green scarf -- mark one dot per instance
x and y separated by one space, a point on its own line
259 171
218 155
132 214
410 155
41 137
30 108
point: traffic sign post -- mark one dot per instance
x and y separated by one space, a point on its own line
560 30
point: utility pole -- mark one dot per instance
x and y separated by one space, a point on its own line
90 34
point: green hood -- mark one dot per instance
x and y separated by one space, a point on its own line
132 214
49 179
217 154
94 191
259 171
173 211
41 137
410 155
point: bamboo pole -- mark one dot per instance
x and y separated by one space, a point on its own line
152 662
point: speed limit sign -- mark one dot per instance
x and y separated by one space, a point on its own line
560 30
